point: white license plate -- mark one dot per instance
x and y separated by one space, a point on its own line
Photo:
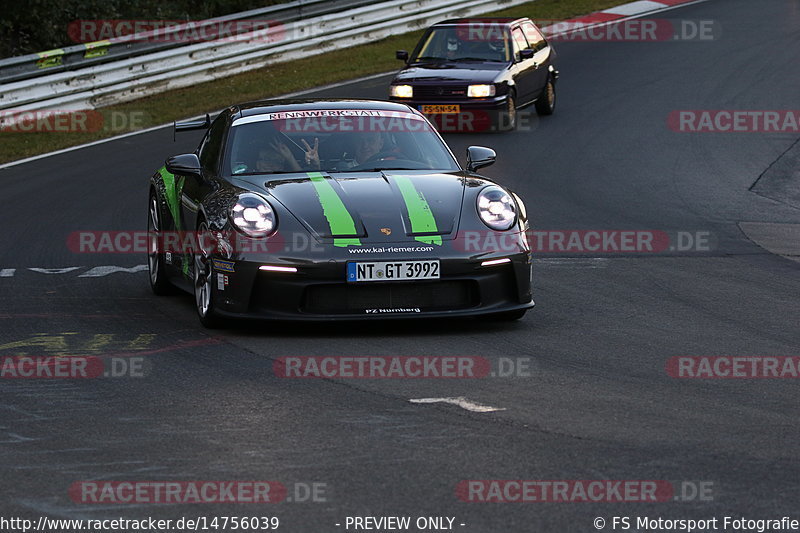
393 270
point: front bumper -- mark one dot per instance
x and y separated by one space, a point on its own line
318 291
494 103
475 115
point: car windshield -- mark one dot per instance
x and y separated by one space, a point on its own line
334 141
473 41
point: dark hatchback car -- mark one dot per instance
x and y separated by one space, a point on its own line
477 72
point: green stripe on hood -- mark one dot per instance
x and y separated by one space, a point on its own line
419 212
337 215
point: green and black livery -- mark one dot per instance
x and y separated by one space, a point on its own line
326 220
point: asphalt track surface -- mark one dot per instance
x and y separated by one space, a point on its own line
598 404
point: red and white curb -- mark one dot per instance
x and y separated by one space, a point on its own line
613 14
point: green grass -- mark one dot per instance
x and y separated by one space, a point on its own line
267 82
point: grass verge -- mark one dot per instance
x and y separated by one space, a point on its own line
268 82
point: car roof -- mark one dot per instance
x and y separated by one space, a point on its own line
274 106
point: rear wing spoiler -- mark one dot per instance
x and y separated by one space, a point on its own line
191 125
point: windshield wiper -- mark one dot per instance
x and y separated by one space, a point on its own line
478 59
428 58
268 172
377 169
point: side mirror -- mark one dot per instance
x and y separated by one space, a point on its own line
479 157
401 55
184 164
526 54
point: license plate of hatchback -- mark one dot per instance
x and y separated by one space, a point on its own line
440 109
392 270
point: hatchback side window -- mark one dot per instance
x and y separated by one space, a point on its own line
534 37
519 41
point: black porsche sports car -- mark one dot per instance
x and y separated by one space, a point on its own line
472 74
335 209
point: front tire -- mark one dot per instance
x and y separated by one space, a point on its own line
546 103
155 258
203 277
507 119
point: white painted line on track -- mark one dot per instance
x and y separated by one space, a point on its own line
94 272
54 270
100 271
462 402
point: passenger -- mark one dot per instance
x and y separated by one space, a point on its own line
277 157
311 154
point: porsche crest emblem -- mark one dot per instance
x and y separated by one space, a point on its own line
386 231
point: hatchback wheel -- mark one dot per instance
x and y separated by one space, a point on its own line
546 104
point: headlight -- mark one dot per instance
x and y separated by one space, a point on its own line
253 216
496 208
480 91
402 91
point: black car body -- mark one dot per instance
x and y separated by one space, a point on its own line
478 67
297 243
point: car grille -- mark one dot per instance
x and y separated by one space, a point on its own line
355 298
433 92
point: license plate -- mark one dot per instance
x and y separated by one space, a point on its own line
393 270
439 109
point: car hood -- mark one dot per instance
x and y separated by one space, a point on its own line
387 206
472 72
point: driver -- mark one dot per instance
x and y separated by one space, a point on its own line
497 49
367 145
453 47
374 146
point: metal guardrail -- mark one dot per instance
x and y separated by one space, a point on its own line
97 52
143 75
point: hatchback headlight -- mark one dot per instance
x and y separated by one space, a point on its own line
402 91
497 208
480 91
253 216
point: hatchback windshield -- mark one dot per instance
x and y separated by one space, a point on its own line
463 42
334 141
